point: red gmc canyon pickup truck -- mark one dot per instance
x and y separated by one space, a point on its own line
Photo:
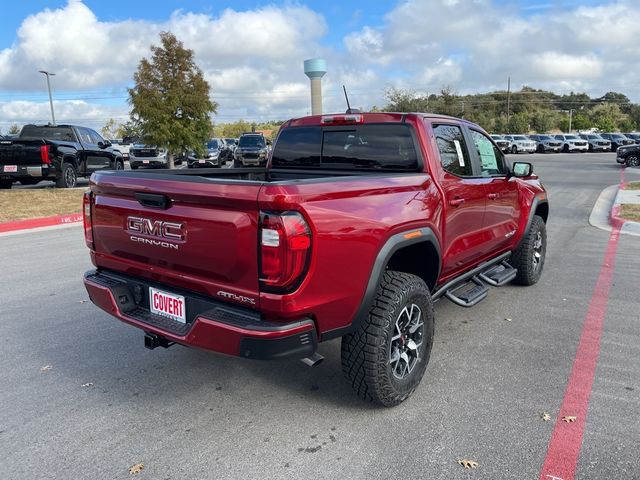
358 223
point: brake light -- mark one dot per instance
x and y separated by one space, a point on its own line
285 248
44 154
342 119
86 218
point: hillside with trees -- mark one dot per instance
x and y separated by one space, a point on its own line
526 111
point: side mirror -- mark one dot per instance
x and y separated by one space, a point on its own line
104 144
521 169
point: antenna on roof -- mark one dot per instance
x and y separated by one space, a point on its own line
349 109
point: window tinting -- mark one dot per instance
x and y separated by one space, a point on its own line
490 157
213 144
32 132
252 141
362 146
453 151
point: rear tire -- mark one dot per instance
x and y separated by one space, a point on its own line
68 177
529 257
119 165
5 184
386 357
134 167
514 149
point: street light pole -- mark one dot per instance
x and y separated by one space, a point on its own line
49 74
570 118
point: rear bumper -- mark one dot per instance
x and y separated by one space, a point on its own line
24 171
211 325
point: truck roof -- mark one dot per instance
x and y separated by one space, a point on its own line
370 117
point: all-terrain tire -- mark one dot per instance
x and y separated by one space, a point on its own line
529 257
367 360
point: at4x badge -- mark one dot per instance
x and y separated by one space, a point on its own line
237 298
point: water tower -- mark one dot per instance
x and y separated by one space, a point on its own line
315 68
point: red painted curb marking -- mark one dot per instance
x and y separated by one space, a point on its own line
40 222
566 440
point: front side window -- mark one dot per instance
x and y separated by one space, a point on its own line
454 156
490 157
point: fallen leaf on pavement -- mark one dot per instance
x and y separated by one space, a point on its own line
545 416
569 418
45 368
468 463
508 319
83 301
136 469
87 384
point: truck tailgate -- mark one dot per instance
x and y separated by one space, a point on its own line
19 153
204 239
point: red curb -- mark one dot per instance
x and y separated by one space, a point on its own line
566 440
40 222
614 218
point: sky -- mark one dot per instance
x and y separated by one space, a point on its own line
252 52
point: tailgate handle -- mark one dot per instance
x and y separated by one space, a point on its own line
153 200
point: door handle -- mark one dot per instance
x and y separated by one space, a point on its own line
456 202
492 196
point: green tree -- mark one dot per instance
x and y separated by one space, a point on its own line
542 121
170 98
518 123
130 129
110 129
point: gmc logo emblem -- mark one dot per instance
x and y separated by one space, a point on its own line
155 228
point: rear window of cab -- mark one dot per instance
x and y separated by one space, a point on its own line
374 146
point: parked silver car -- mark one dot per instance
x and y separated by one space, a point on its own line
521 143
572 143
596 142
546 143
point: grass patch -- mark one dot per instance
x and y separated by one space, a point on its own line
41 202
630 212
632 186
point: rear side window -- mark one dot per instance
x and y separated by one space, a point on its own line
381 146
32 132
454 156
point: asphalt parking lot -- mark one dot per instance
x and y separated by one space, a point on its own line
82 398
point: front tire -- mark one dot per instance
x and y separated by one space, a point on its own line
386 357
529 257
633 161
68 176
514 149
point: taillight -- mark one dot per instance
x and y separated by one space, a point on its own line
44 154
86 219
285 248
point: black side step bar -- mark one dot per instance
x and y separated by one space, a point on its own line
464 278
468 294
499 275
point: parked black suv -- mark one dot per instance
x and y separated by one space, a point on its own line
252 150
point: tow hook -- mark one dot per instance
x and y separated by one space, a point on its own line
313 360
151 341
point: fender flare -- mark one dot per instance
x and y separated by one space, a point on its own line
537 201
391 246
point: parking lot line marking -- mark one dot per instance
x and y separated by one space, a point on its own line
566 440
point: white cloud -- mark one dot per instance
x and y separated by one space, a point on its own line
591 48
253 59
